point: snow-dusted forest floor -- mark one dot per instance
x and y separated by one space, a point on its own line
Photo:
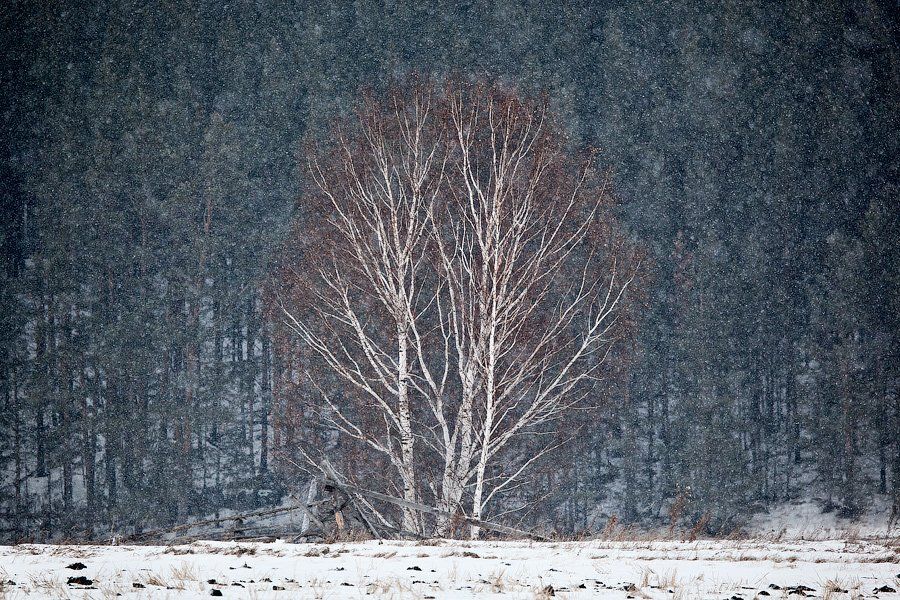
746 569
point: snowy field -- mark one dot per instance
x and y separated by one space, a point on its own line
729 570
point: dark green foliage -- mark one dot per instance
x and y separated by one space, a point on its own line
149 161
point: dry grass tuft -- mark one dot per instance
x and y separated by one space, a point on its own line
497 582
184 572
48 584
544 592
155 579
392 588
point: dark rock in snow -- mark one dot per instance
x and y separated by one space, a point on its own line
799 590
885 588
413 568
211 581
77 566
772 586
277 588
80 580
137 585
764 593
216 593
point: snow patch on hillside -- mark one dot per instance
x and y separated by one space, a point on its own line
806 520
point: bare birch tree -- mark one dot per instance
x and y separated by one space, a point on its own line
471 291
379 185
533 288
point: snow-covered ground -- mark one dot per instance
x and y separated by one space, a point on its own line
452 569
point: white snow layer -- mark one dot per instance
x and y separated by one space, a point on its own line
721 569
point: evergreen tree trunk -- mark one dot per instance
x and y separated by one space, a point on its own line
250 385
266 403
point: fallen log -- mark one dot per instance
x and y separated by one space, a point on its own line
188 526
435 511
356 505
312 517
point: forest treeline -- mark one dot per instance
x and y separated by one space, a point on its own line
151 170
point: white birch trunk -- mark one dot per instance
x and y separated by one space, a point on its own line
407 457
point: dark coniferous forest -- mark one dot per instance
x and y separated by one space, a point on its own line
154 181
